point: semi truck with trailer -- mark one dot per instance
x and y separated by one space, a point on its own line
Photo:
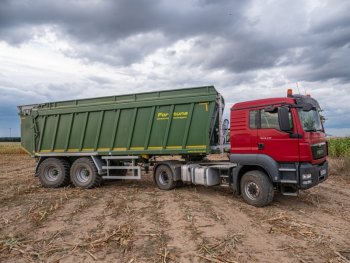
276 144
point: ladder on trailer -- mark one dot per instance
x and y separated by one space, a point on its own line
131 160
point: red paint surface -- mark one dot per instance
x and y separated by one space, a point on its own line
277 144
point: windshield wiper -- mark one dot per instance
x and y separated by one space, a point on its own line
311 130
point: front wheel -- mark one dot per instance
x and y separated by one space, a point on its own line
256 188
84 174
164 177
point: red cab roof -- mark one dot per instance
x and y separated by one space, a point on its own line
262 102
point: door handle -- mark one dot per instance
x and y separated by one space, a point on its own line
261 146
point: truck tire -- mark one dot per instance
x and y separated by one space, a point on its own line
53 172
256 188
164 177
84 174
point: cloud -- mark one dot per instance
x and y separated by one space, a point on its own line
237 36
56 50
102 24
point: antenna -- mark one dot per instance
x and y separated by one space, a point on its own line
298 87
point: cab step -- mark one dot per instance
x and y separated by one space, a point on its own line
289 189
290 193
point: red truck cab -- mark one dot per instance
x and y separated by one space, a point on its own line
278 143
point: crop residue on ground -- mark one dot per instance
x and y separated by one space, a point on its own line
133 221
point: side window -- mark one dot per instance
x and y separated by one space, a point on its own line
291 120
253 119
269 120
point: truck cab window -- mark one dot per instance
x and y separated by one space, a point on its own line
253 119
310 120
269 120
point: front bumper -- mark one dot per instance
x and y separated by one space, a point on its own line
311 175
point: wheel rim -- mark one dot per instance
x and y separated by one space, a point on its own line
52 173
83 174
252 190
163 178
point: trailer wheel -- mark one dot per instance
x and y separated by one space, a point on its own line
53 172
256 188
84 174
164 177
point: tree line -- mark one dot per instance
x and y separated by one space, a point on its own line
10 139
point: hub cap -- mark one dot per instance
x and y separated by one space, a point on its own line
164 178
52 173
83 175
252 190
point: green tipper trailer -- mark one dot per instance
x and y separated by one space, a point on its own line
87 140
154 123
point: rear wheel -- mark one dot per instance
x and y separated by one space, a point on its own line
53 172
84 174
164 177
256 188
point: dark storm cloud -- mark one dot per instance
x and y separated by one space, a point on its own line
112 20
119 32
236 36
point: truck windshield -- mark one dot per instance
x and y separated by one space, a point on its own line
310 120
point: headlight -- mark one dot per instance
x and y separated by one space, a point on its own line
306 176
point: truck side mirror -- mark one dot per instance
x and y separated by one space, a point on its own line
283 119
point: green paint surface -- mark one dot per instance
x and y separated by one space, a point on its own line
165 122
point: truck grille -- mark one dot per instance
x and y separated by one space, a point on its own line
319 150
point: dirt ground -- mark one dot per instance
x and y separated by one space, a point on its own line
134 221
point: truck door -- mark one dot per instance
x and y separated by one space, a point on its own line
274 142
253 127
242 131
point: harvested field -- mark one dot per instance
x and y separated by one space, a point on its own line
133 221
10 148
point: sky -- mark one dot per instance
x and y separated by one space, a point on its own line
69 49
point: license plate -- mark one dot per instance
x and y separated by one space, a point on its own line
323 172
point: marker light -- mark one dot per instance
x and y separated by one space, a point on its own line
289 93
307 182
